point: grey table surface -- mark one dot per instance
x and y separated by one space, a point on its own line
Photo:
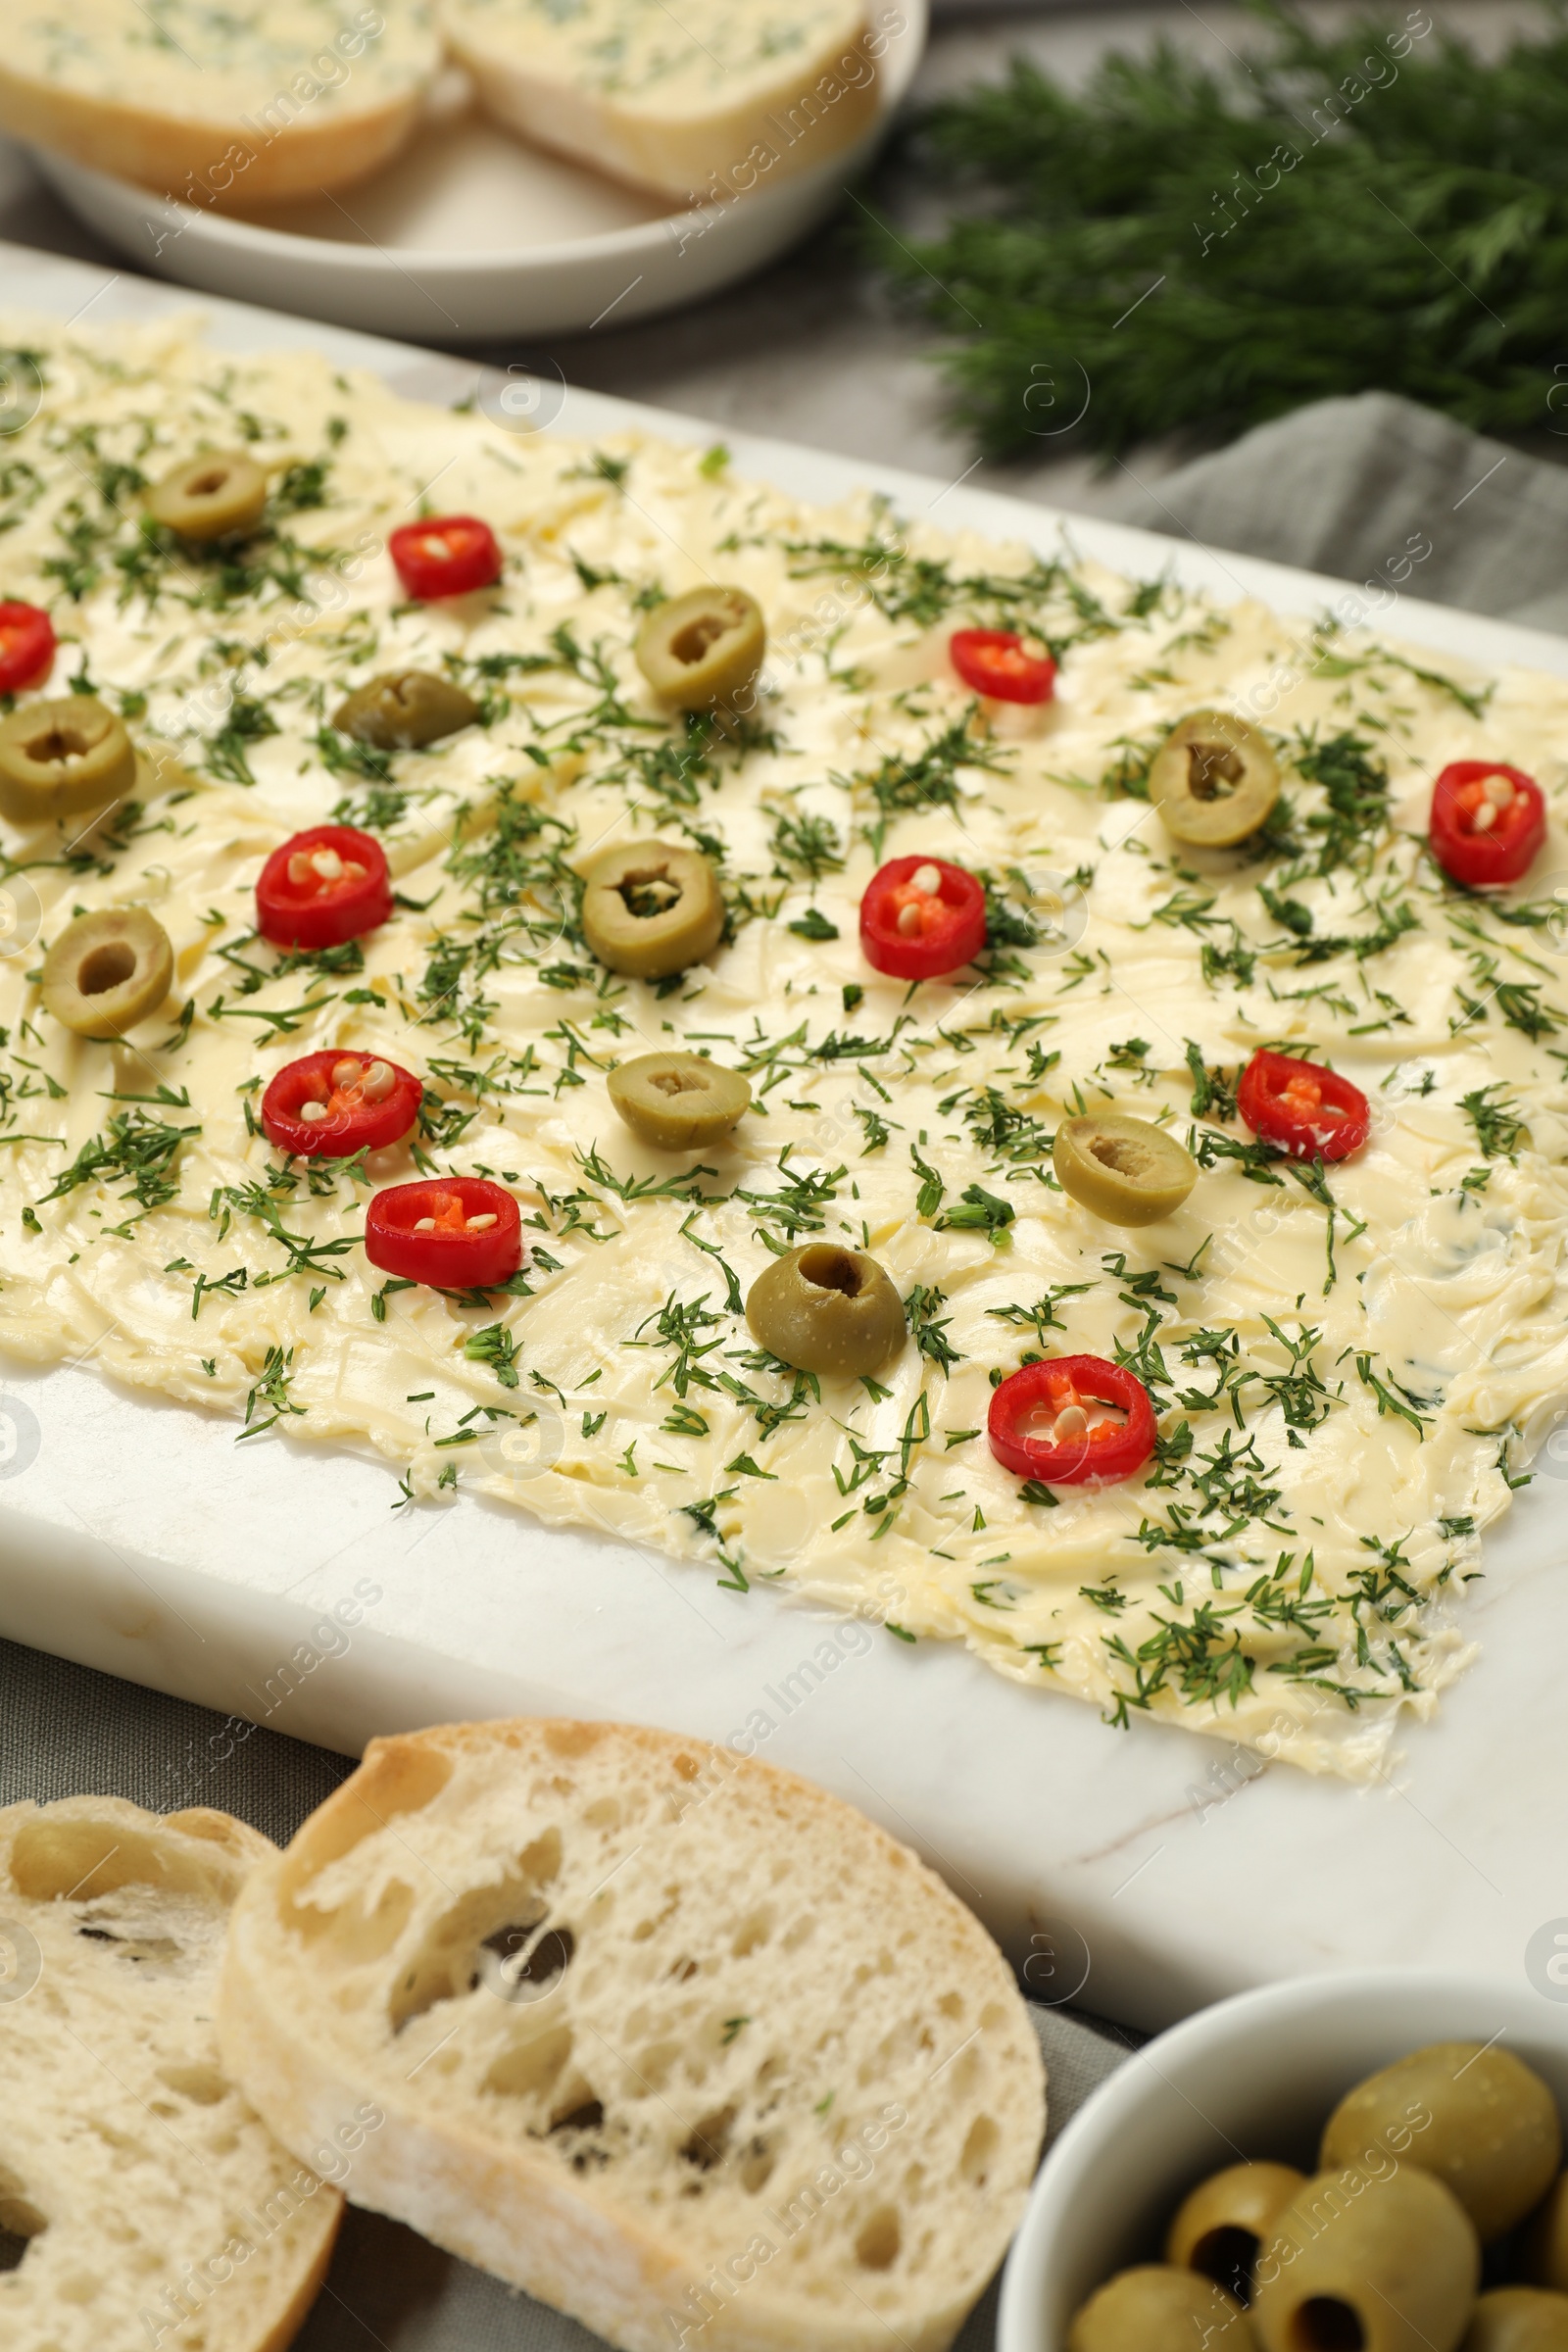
811 351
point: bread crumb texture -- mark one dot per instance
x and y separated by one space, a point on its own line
144 2207
674 2041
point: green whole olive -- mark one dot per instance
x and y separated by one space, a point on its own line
1384 2261
1154 2308
1213 781
680 1102
703 649
216 496
1544 2255
649 909
63 757
1518 2319
107 971
826 1309
1127 1171
1219 2228
1478 2119
404 709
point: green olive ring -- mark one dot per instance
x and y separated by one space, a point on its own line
703 649
678 1101
1155 2309
63 757
404 709
1128 1171
216 496
823 1309
1220 2227
1491 2133
650 910
1214 781
107 971
1388 2261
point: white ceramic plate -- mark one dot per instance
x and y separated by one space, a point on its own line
470 235
1253 2076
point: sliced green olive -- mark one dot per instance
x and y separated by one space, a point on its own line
1213 781
1518 2319
403 709
649 909
1477 2117
60 758
1152 2308
678 1100
1127 1171
1219 2228
213 497
826 1309
703 649
107 971
1387 2262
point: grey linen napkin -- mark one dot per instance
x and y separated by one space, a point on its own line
65 1730
1381 490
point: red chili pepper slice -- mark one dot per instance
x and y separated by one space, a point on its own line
455 1233
920 917
27 647
1488 821
323 887
444 557
997 662
1312 1112
1073 1421
332 1105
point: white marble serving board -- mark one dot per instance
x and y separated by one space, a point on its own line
1144 1871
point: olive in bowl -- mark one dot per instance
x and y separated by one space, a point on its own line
1148 2170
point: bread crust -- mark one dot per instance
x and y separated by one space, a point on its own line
514 2210
218 164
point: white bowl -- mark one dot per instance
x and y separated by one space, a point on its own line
1254 2076
470 235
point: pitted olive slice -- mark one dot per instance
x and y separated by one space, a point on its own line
703 649
680 1102
649 908
1213 781
1127 1171
107 971
213 497
403 709
59 758
826 1309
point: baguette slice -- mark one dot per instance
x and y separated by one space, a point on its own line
675 2041
251 102
158 2210
713 98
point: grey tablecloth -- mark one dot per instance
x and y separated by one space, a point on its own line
64 1729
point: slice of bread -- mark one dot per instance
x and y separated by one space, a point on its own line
709 99
149 2208
674 2041
218 106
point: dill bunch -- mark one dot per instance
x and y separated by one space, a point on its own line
1197 248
